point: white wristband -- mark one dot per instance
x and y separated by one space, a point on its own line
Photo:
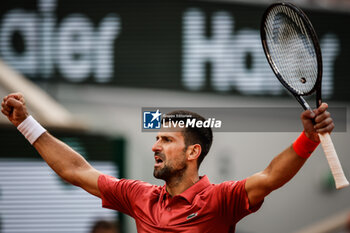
31 129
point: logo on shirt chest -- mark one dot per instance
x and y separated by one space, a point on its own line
191 216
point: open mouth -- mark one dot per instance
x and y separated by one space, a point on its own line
158 161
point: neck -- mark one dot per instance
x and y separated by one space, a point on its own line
178 185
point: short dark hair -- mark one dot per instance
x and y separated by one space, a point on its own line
104 225
193 135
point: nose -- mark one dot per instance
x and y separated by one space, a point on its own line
156 146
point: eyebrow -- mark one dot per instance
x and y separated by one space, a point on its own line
165 137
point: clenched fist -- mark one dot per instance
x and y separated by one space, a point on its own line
318 121
14 108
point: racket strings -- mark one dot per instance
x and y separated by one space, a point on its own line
291 49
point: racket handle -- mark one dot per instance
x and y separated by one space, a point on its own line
333 161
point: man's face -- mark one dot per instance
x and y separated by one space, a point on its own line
169 154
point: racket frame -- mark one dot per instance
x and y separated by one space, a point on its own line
327 144
308 25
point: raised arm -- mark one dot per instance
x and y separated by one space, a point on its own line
285 165
67 163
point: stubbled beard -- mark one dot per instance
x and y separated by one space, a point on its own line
167 173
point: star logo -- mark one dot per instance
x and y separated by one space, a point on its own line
151 119
156 115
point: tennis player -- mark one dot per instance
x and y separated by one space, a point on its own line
187 202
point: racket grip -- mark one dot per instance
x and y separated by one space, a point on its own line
333 161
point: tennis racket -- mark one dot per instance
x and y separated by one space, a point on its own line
293 52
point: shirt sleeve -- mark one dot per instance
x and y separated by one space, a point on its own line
235 203
120 194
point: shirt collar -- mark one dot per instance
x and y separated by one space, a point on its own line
192 191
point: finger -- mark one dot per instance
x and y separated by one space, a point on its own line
11 102
17 96
307 115
5 107
324 123
5 98
322 117
327 129
22 100
6 113
323 107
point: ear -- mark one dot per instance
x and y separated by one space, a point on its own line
194 151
